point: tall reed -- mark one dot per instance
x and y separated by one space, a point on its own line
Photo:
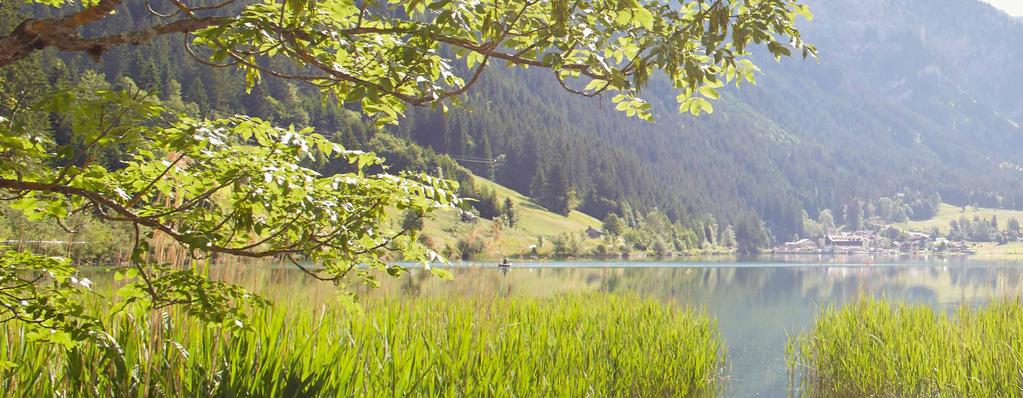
878 348
567 346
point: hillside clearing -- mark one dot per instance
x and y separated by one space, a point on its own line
947 213
445 228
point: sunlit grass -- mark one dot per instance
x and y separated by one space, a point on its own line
579 345
534 221
947 213
877 348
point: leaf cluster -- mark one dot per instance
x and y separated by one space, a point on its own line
384 55
236 186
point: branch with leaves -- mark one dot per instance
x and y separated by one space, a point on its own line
236 186
386 55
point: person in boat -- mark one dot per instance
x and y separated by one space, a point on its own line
505 263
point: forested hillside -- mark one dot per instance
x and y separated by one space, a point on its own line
904 100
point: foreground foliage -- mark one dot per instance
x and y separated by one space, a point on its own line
566 346
240 186
237 186
876 348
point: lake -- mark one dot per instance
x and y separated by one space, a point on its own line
758 304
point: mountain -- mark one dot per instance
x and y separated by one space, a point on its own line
910 100
928 85
908 97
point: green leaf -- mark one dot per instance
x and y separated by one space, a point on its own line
709 92
803 11
643 18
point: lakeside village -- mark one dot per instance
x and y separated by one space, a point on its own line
873 242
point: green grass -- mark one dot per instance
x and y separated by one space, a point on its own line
564 346
876 348
947 213
534 221
991 250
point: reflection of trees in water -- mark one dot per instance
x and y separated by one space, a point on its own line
924 283
944 284
659 282
487 282
688 282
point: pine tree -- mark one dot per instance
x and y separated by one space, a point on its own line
294 111
511 214
560 197
710 229
197 94
149 77
487 203
728 237
613 225
1012 225
486 153
749 234
538 186
627 215
221 90
853 216
172 99
255 102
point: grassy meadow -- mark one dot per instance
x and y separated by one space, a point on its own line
593 344
985 250
882 349
446 227
947 213
991 250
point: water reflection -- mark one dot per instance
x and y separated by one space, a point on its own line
757 306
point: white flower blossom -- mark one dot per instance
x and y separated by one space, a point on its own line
120 192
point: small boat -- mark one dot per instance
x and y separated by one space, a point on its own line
504 263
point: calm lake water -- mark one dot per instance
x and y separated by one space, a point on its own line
758 304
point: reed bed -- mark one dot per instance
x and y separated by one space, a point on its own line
563 346
882 349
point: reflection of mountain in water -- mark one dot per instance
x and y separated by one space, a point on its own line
757 305
916 283
757 308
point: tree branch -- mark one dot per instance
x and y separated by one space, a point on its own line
62 33
125 214
96 46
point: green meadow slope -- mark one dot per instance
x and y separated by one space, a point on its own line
989 250
446 227
947 213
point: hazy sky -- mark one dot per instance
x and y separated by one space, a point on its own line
1013 7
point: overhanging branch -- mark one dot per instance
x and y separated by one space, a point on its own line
62 33
122 213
